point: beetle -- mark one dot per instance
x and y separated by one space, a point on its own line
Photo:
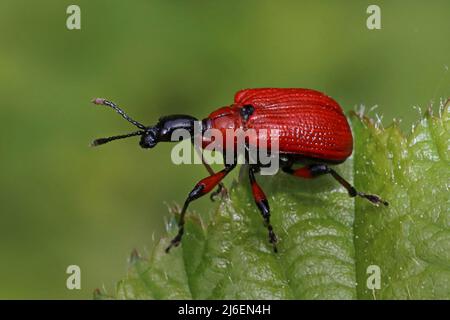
312 131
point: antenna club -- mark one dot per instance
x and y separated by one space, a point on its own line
98 101
98 142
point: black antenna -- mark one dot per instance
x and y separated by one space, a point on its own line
101 141
104 102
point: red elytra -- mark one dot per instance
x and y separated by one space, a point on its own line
311 130
310 124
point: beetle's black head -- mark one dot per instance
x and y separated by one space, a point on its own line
151 135
163 130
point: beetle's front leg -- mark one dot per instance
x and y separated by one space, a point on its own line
315 170
220 188
201 188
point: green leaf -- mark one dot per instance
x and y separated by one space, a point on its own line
327 240
410 242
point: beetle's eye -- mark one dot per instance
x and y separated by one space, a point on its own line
148 140
247 111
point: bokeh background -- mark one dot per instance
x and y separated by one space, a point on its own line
64 203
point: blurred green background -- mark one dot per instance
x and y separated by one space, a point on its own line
64 203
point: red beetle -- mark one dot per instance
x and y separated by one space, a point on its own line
312 130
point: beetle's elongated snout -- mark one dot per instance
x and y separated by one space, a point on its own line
164 129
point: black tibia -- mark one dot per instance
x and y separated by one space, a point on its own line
320 169
200 189
263 206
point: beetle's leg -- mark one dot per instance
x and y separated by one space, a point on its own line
315 170
263 206
201 188
220 188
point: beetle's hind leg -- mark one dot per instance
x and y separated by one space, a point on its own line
263 206
315 170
